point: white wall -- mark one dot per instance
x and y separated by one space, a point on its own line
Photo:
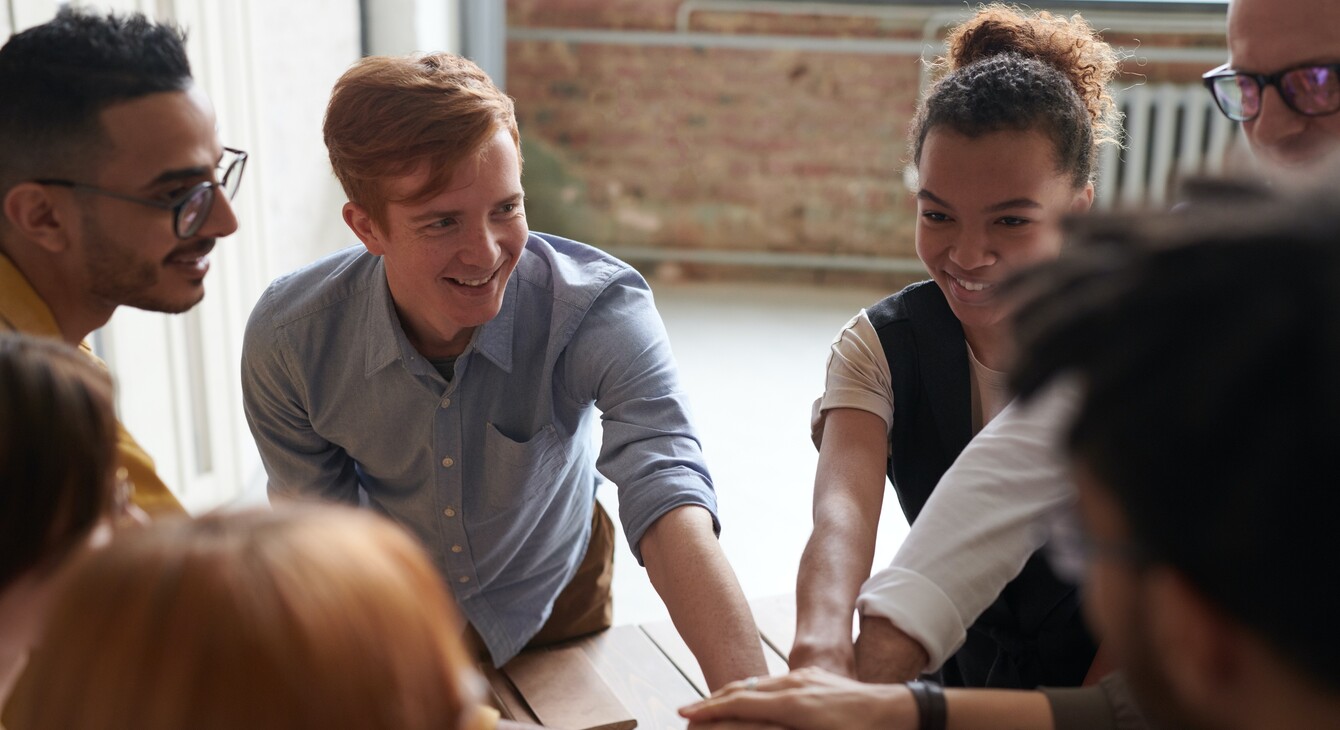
397 27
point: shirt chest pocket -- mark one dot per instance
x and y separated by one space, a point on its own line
518 472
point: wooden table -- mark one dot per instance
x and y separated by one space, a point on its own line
648 669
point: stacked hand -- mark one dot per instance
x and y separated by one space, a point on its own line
807 699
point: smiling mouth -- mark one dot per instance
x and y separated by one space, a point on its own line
194 257
475 282
972 285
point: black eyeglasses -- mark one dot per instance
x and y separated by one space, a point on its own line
1311 90
191 209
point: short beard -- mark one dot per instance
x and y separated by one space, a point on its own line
113 278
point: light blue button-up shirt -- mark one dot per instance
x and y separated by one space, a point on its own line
494 471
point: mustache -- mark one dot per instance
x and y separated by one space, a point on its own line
197 248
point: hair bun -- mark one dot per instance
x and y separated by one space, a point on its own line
1069 45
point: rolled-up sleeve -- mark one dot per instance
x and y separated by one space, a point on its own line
989 513
856 376
620 358
1107 705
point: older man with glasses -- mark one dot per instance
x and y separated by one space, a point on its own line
113 185
1283 78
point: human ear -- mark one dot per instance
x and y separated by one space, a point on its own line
1083 200
34 212
1200 648
361 223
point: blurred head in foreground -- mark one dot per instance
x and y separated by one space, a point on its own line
57 480
307 617
1206 345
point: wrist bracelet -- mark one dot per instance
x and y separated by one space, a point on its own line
932 710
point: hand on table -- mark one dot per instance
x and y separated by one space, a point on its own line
885 654
808 699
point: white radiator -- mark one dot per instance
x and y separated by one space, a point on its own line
1172 131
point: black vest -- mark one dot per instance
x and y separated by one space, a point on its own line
1033 634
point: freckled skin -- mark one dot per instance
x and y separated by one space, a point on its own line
473 230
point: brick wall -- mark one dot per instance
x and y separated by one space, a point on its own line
727 149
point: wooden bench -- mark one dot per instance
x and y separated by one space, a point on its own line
644 672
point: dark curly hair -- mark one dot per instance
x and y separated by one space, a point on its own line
1011 70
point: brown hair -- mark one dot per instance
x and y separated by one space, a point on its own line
390 114
57 451
1007 69
305 617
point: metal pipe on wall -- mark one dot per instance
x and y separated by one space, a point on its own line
931 23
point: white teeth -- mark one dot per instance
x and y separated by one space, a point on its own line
972 285
473 282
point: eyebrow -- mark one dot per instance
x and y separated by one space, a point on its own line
924 194
184 173
1287 67
1011 204
433 215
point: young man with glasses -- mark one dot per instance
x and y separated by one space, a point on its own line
113 185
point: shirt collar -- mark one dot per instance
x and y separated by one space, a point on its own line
493 339
387 342
382 326
21 308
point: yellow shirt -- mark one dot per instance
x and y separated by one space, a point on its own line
23 310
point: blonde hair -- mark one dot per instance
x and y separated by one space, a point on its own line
306 617
1010 69
388 115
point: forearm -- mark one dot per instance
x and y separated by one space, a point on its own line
848 495
811 699
997 709
690 572
836 560
886 654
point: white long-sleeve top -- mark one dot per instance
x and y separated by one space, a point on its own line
992 510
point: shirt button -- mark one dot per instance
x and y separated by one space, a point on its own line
456 548
446 402
449 512
464 579
448 461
